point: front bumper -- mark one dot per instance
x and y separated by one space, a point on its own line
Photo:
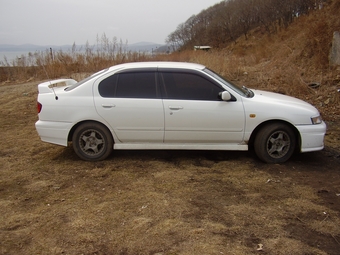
312 137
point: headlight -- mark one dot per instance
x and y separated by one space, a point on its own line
316 120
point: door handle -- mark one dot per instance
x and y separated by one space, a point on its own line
175 107
108 105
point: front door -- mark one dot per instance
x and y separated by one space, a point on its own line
195 114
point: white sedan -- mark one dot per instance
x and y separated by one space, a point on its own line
170 105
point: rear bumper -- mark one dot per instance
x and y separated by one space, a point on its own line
53 132
312 137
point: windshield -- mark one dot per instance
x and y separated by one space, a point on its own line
85 80
242 91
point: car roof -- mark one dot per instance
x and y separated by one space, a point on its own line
156 64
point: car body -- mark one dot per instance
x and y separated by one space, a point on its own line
173 105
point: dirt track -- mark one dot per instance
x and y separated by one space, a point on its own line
160 202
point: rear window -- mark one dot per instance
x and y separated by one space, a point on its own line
85 80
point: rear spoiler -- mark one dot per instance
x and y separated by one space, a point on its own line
47 87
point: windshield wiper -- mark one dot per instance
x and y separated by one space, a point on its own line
248 92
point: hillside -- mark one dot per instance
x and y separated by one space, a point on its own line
292 61
296 60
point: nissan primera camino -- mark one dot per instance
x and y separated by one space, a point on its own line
171 105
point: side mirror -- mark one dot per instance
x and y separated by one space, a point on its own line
225 96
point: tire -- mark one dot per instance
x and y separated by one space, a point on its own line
275 143
92 141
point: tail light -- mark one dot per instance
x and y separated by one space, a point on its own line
39 107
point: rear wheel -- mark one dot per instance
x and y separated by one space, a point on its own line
92 141
275 143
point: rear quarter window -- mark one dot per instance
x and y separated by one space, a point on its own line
107 87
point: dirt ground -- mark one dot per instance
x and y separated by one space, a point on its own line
160 202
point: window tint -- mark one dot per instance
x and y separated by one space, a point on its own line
189 86
107 87
129 85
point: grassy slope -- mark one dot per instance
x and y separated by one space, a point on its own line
286 62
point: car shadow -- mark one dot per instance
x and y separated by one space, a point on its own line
311 159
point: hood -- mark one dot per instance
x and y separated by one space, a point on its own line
279 99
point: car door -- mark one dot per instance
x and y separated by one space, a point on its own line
195 114
130 102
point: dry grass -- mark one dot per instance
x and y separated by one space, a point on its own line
158 202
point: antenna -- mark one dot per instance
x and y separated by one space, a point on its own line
55 95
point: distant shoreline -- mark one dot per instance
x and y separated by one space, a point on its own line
12 52
12 55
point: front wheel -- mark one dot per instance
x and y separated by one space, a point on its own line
92 141
275 143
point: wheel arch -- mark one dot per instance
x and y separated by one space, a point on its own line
70 134
260 126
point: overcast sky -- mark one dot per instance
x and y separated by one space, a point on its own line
59 22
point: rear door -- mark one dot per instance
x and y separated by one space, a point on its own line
195 114
130 102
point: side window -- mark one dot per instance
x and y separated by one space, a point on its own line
107 87
136 85
189 86
129 85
